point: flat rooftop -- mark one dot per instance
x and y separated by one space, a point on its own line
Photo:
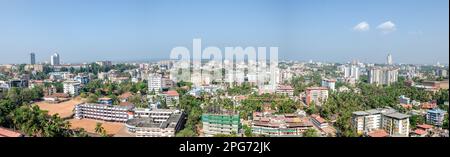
397 115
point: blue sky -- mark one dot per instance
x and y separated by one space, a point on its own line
321 30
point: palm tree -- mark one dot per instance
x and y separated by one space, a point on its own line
99 128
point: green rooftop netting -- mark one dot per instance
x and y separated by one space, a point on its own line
221 119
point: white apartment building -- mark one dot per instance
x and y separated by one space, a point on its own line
389 60
103 112
383 76
54 59
366 121
155 82
329 83
396 124
351 72
71 87
393 122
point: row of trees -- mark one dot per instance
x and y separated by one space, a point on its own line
255 103
98 88
17 113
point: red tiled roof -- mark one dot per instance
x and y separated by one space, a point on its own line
9 133
318 118
172 93
316 88
428 105
378 133
285 87
125 95
407 106
420 132
425 126
125 104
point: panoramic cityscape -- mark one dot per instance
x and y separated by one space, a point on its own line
132 69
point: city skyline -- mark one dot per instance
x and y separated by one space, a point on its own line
330 31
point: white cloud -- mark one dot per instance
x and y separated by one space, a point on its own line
361 27
387 27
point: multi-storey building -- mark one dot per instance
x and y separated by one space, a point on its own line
318 95
104 63
83 79
389 60
351 73
383 76
318 121
154 82
435 117
172 97
54 59
71 87
396 124
103 112
32 58
280 125
19 83
366 121
214 124
285 90
158 115
404 100
151 127
387 119
329 83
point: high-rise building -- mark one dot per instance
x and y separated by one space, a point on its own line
32 58
351 72
389 59
154 82
383 76
54 59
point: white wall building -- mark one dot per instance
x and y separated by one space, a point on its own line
387 119
55 59
155 82
103 112
71 87
329 83
383 76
